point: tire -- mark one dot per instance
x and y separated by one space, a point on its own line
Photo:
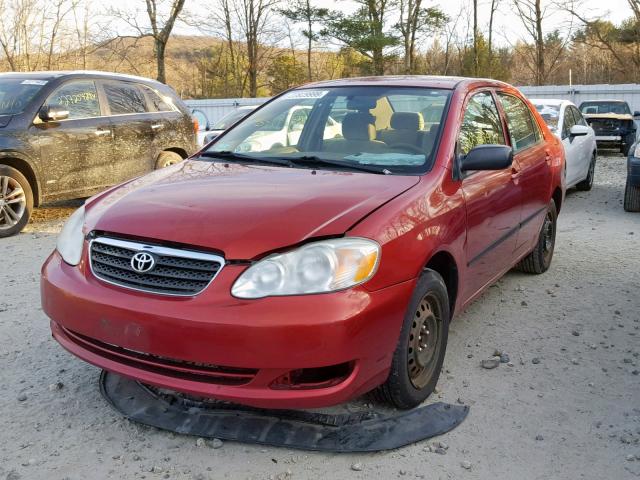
587 183
631 197
414 375
16 201
167 158
539 260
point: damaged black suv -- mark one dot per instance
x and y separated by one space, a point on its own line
612 123
72 134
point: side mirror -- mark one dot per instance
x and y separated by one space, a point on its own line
209 137
578 131
636 113
53 113
487 157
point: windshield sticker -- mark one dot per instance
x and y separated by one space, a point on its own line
305 94
34 82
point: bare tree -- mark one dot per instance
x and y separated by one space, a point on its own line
162 16
531 15
415 20
492 12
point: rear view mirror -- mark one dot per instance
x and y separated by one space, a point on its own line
578 130
53 113
487 157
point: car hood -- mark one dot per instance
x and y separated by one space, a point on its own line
616 116
241 210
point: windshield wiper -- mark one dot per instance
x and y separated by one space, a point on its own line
312 160
240 157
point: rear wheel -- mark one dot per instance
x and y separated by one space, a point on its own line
587 183
421 348
539 260
631 197
16 201
167 158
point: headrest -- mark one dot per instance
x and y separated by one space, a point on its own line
358 126
407 121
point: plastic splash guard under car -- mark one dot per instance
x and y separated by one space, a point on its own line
369 431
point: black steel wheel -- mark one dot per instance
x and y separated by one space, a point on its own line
418 358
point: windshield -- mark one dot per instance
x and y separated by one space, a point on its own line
391 129
550 114
231 118
592 108
15 94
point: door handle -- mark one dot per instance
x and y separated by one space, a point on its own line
157 126
101 132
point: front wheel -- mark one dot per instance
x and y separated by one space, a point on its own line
587 183
539 260
167 158
631 197
16 201
419 355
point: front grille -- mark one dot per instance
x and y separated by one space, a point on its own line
197 372
175 271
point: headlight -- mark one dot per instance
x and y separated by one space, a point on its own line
636 151
317 267
71 239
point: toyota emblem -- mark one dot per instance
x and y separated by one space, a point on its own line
143 262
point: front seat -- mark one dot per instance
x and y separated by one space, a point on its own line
359 136
404 129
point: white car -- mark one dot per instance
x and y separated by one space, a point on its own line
285 129
578 139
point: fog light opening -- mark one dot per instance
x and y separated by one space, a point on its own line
310 378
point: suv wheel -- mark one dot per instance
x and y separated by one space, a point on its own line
16 201
587 183
167 158
631 197
418 358
539 260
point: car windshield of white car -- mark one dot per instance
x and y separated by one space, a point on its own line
550 114
395 129
16 93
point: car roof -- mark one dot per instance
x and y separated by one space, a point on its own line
601 100
429 81
76 73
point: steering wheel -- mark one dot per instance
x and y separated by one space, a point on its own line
409 147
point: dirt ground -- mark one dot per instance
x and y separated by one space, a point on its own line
566 407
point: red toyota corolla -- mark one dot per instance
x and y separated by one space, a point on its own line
316 250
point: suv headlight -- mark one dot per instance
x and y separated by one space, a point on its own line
636 151
318 267
71 240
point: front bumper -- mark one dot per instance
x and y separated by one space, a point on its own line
180 343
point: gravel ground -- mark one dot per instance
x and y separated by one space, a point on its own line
567 406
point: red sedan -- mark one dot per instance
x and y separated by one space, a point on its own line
304 268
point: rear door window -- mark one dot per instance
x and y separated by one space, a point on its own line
124 98
523 128
80 98
157 101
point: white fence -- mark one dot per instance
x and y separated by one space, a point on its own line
215 109
629 92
